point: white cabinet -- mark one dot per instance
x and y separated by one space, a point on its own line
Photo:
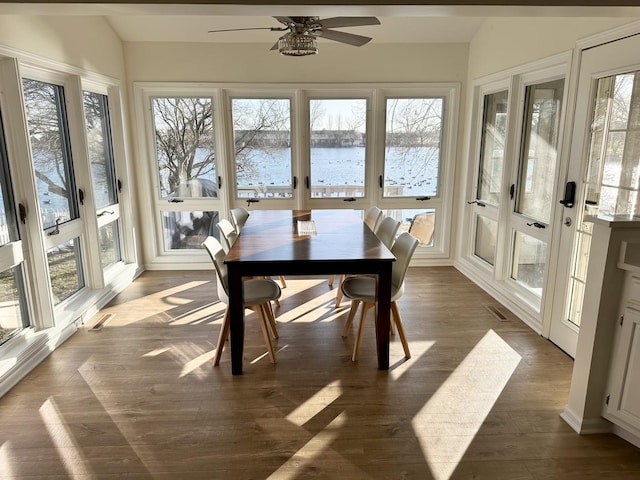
622 404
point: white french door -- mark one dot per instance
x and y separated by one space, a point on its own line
605 165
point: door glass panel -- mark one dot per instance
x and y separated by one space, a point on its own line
65 270
494 124
262 140
110 244
96 113
413 141
338 153
184 229
46 119
486 237
539 150
611 181
185 153
529 262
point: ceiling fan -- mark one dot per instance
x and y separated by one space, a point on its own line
300 39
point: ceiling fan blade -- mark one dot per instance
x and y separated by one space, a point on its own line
343 37
239 29
337 22
284 20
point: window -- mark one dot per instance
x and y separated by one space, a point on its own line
329 146
13 311
337 147
57 194
262 147
186 170
103 176
413 144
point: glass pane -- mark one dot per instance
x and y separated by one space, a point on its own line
99 142
65 270
8 220
338 132
413 141
187 230
529 256
110 244
48 132
419 222
494 124
185 147
486 235
262 139
539 150
13 316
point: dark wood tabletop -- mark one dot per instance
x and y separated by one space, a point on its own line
270 244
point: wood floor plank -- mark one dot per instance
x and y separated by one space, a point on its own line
139 399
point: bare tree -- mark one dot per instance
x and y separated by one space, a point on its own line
184 140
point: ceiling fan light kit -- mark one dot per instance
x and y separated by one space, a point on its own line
300 40
297 45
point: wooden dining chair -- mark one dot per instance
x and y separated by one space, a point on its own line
239 216
258 293
362 289
386 231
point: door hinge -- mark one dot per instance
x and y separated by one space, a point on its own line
606 401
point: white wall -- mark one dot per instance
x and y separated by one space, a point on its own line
88 43
334 63
503 43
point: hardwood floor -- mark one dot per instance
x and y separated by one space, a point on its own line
479 399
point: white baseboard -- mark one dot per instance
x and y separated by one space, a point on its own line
586 426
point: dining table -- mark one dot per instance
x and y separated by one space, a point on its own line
307 242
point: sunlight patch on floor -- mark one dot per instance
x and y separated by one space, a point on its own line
447 424
192 366
310 310
70 454
5 460
156 352
314 405
319 447
202 314
418 349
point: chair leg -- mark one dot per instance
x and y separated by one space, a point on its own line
265 331
331 279
398 321
283 282
356 347
222 337
268 312
339 291
352 313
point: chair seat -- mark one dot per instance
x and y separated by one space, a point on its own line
259 290
363 289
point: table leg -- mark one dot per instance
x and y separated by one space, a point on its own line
236 320
383 319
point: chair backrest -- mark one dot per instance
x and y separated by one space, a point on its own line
216 252
239 216
372 217
229 234
386 231
403 249
423 226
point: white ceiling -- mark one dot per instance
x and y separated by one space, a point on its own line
173 22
